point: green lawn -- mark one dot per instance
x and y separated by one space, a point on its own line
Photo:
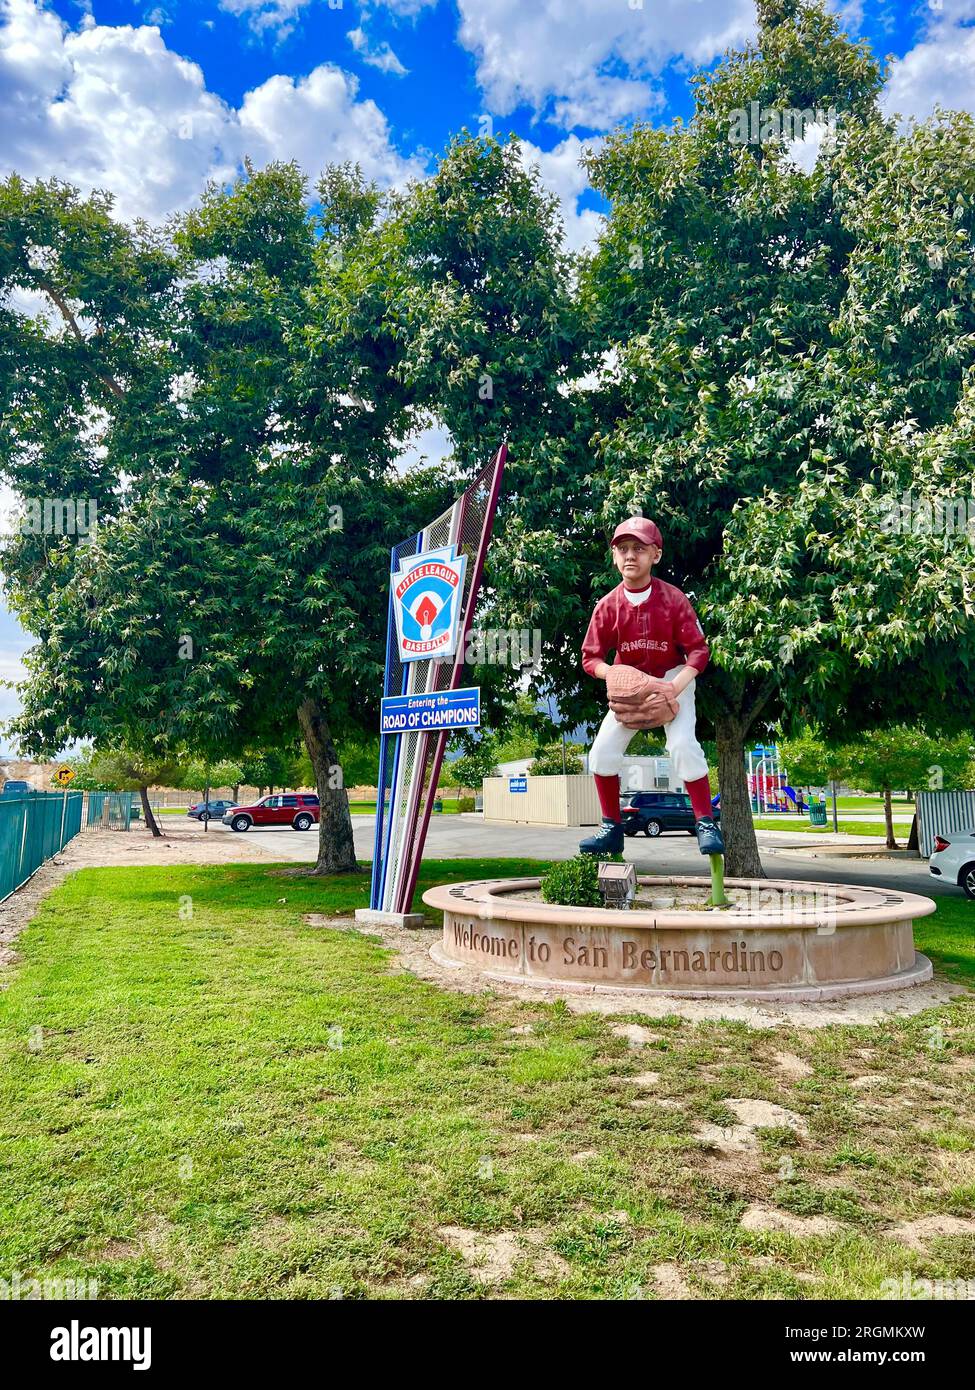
232 1104
870 803
800 825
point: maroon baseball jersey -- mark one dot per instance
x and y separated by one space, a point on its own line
654 636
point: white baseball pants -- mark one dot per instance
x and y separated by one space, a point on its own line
686 754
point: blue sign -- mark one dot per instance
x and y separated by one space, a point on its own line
517 784
439 710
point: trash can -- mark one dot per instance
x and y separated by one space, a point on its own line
817 813
438 806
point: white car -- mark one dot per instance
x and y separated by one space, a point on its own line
953 859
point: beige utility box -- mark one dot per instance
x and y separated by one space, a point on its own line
529 800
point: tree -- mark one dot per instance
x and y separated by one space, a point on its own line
554 759
201 775
274 767
883 759
783 356
496 341
470 769
126 769
226 393
880 760
811 760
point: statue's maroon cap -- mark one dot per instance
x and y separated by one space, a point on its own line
640 529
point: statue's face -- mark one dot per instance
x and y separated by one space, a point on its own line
634 560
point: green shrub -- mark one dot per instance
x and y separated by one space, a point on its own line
548 760
465 803
574 882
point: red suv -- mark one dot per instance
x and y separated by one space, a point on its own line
297 809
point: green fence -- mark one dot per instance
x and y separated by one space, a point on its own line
32 829
111 809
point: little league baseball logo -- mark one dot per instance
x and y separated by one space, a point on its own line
427 595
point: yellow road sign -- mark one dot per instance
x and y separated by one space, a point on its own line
64 775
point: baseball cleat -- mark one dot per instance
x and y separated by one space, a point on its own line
609 840
709 839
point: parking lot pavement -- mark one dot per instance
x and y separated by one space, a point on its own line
469 837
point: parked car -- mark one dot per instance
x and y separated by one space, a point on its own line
953 859
655 812
210 810
297 809
12 788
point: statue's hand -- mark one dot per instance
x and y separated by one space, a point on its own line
626 683
655 709
638 700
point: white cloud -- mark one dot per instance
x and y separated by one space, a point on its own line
562 174
113 107
378 55
940 70
279 17
276 16
317 120
592 62
407 9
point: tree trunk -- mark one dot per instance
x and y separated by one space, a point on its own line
741 856
336 847
889 819
147 813
236 792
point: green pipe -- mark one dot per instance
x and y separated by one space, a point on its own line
718 898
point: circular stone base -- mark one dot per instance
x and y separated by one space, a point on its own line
782 940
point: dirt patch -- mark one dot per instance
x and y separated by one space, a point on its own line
635 1034
865 1082
670 1282
117 1250
917 1233
752 1115
759 1219
790 1066
492 1259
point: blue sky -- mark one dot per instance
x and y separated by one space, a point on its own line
151 99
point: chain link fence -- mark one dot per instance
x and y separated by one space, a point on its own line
32 829
109 810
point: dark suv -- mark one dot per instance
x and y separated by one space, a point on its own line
655 812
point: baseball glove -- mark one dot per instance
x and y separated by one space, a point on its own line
638 700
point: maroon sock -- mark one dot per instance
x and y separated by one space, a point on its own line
700 793
608 791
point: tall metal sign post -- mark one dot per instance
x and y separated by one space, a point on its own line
433 586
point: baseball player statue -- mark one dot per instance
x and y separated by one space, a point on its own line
660 652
